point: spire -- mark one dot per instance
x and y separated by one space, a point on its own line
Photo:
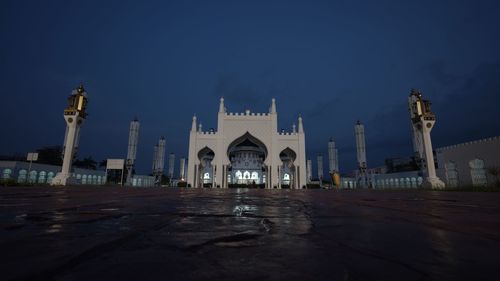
193 125
294 128
273 106
222 109
200 128
301 127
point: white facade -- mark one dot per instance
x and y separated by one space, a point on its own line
470 163
246 148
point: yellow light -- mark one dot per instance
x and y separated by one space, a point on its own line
419 108
80 103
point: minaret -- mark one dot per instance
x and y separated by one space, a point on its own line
159 160
320 170
332 157
133 139
359 130
75 114
171 163
182 167
309 170
422 120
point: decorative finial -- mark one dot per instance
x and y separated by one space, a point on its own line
273 106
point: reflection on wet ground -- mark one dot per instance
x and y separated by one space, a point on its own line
89 233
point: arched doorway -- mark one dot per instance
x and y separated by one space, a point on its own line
205 169
247 155
287 168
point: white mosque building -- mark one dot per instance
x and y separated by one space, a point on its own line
247 149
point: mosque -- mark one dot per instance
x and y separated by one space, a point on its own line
247 149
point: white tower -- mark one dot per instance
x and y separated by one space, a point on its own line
309 170
74 115
133 139
332 157
361 154
171 163
422 120
159 160
182 169
320 169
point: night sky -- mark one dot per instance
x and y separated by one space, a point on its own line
334 62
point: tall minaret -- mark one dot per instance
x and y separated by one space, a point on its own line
171 163
182 169
333 163
309 170
320 169
74 115
159 160
422 120
361 154
133 139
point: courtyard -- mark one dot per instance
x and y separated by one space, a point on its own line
113 233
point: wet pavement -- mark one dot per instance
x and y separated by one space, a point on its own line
98 233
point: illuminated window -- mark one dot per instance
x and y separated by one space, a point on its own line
42 177
22 176
6 174
477 172
451 174
206 176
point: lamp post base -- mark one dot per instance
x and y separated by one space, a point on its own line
434 183
63 179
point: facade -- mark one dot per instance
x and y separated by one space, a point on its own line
40 174
469 164
247 149
21 172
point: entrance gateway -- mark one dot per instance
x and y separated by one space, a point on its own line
247 149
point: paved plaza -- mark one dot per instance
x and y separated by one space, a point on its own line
111 233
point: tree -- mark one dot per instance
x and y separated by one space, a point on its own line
50 155
86 163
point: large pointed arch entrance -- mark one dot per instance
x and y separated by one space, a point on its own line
287 170
247 155
205 169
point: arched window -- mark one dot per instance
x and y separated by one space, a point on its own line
413 182
50 176
477 172
84 179
238 175
6 174
139 182
32 177
42 177
286 177
246 175
255 176
451 174
420 180
94 179
22 176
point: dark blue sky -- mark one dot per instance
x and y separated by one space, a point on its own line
332 61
